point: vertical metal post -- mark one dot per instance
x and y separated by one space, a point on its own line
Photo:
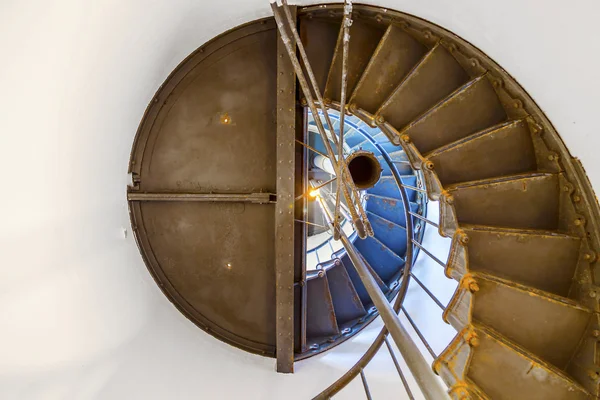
284 210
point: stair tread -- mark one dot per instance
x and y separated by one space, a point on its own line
471 108
320 314
395 55
346 302
319 37
364 38
542 259
498 180
500 150
518 201
435 76
530 381
523 231
380 258
542 322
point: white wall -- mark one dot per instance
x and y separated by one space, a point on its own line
80 317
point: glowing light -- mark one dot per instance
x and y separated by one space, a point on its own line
313 193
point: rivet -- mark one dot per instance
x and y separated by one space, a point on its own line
473 287
596 333
592 294
379 119
576 199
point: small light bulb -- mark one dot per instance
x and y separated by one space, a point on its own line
313 193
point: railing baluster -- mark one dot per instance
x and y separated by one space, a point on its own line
423 219
425 342
434 258
414 188
402 377
365 384
435 299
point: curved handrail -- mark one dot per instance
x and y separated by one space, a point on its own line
355 370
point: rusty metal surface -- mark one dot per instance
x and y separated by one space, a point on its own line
319 36
524 201
215 262
396 54
365 38
211 129
433 78
320 313
547 325
504 149
522 377
346 303
471 108
574 205
284 209
542 260
259 198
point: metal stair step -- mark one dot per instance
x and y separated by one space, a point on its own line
545 324
471 108
519 201
503 149
396 54
380 258
545 260
388 233
319 37
346 302
358 285
434 77
387 187
403 169
389 208
502 369
320 314
364 38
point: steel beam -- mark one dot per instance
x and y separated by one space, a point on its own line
284 209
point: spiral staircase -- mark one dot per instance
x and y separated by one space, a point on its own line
448 124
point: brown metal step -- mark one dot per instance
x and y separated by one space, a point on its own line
396 54
319 37
436 76
472 107
518 201
544 260
364 38
346 302
545 324
502 369
503 149
320 314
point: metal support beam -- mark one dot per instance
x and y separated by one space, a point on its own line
260 198
284 209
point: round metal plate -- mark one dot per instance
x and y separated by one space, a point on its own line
211 129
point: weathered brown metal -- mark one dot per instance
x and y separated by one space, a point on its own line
284 209
260 198
214 260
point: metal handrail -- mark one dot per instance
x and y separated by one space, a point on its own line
431 387
420 369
